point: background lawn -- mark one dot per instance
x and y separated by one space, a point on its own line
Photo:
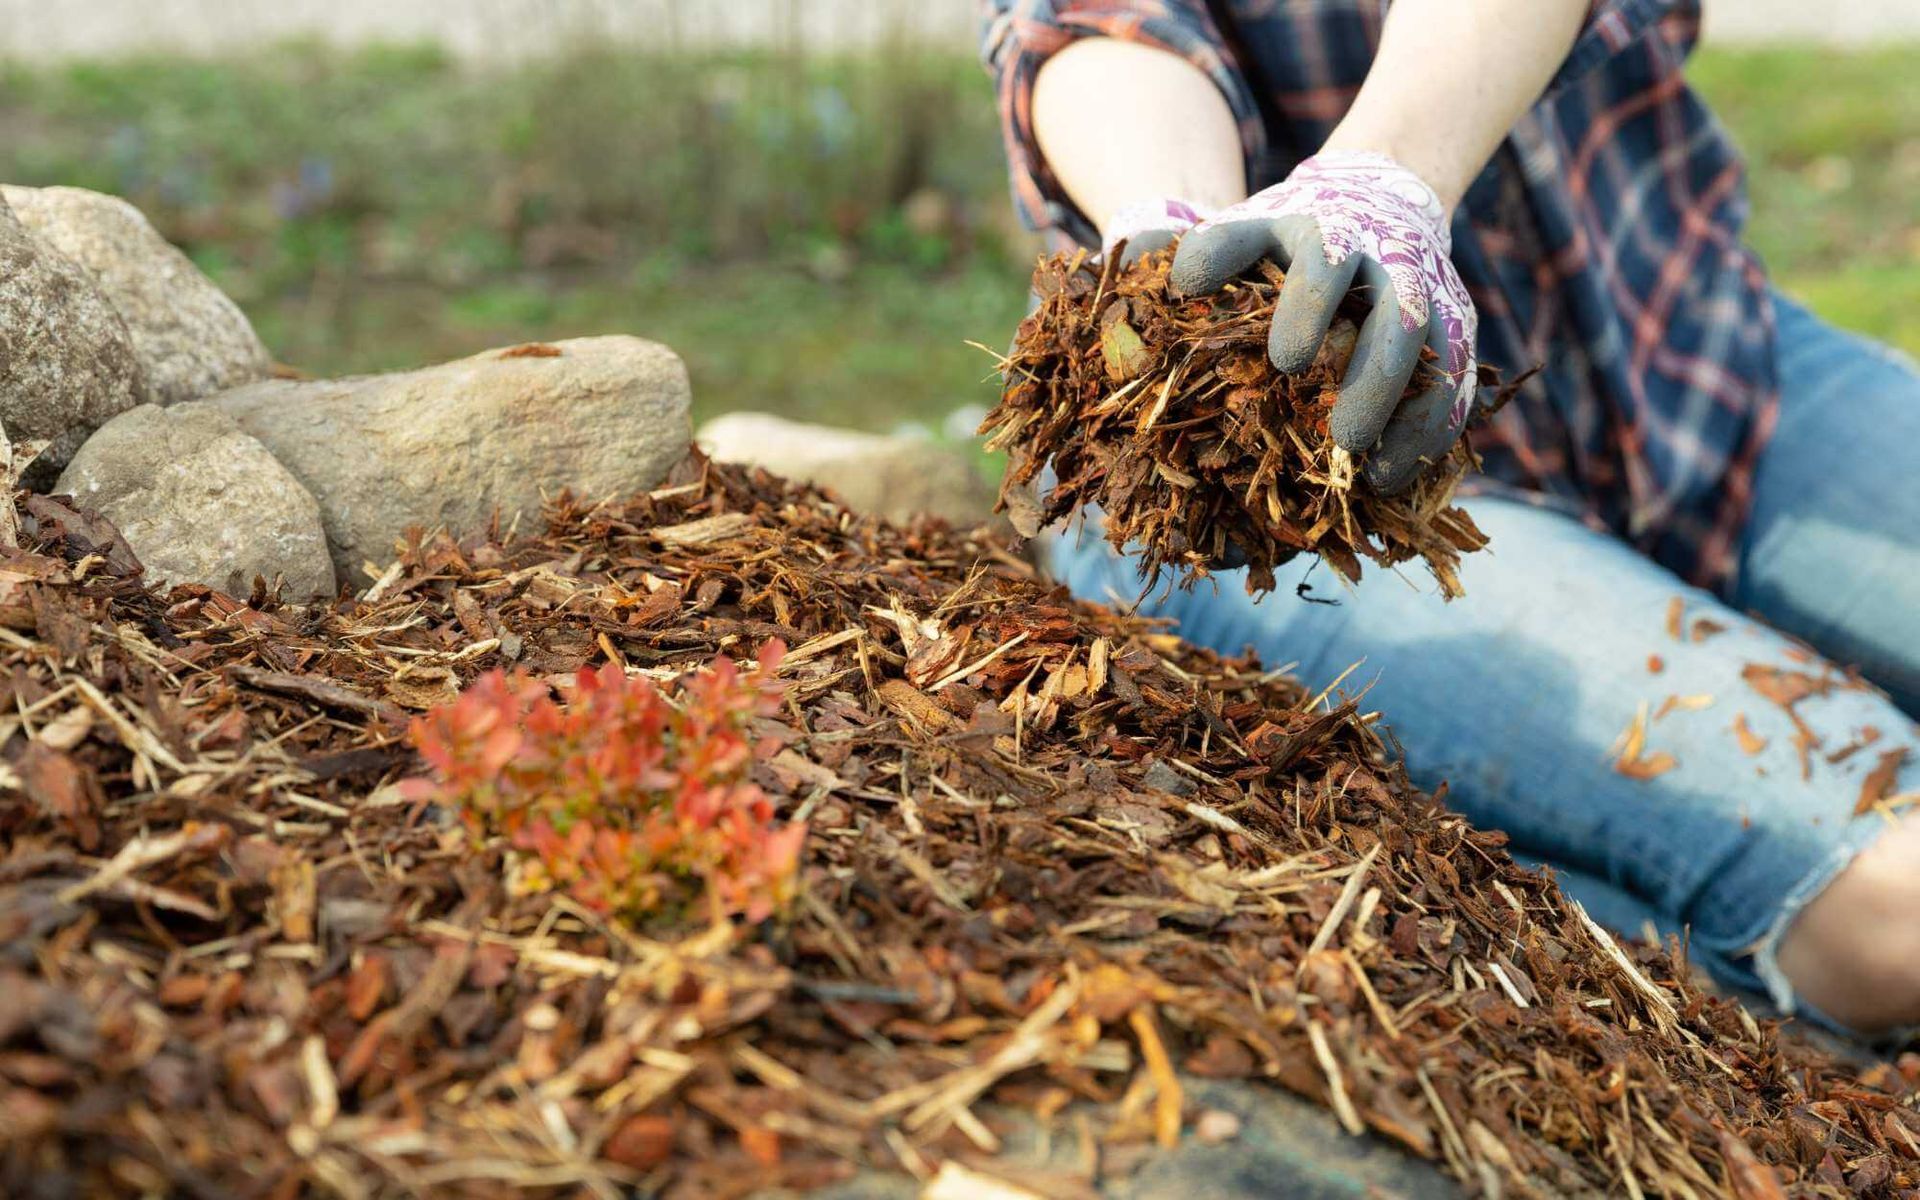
1834 142
818 237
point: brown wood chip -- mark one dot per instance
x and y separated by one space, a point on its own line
319 690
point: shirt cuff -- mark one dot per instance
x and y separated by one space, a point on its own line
1021 35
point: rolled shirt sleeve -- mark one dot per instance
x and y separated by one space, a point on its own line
1021 35
1611 27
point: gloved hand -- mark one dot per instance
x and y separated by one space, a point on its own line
1344 218
1145 227
1148 226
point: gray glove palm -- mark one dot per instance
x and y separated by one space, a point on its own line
1337 223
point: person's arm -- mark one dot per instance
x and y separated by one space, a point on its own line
1128 136
1022 38
1120 123
1451 78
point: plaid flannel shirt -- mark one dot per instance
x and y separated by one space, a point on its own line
1602 244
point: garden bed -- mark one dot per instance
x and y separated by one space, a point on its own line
1052 855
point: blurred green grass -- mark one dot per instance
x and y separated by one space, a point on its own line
817 235
1833 139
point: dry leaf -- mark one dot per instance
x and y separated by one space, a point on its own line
1098 839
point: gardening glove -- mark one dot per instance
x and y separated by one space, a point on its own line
1342 219
1147 226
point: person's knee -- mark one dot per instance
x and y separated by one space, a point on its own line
1854 952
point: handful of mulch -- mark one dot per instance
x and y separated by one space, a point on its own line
1165 413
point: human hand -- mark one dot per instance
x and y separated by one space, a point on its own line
1148 226
1339 220
1141 228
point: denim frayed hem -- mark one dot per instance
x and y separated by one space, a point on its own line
1763 958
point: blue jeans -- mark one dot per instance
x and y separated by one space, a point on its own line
1518 695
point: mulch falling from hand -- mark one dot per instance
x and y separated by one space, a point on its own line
1055 855
1166 415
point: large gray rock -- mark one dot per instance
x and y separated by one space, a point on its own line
67 363
449 445
201 502
892 477
190 338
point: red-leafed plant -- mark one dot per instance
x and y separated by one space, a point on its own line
625 797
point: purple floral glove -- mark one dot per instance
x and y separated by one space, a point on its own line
1150 225
1344 219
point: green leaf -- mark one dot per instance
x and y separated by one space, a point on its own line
1126 355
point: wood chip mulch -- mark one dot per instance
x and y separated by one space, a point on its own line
1164 413
1055 856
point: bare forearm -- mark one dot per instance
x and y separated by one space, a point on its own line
1451 79
1119 122
1147 146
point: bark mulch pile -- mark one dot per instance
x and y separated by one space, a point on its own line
1165 413
1054 856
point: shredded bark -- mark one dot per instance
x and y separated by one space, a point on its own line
1877 787
1751 743
1056 858
1165 414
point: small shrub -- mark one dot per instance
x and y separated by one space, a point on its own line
628 799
